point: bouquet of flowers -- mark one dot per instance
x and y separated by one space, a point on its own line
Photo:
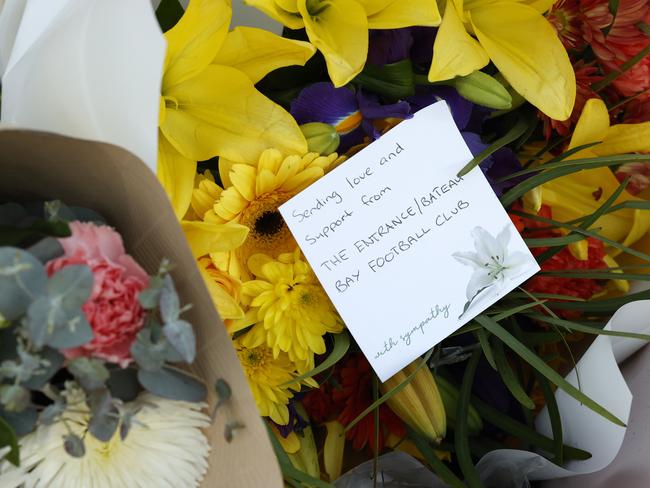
90 347
551 98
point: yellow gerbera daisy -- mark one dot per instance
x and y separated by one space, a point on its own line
266 374
251 198
293 311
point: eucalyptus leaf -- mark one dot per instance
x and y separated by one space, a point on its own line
14 398
149 355
52 412
75 333
180 335
46 249
104 416
173 384
170 307
74 446
71 285
21 422
51 362
150 297
8 439
89 372
22 278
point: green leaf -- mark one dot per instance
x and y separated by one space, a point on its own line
485 346
515 310
554 415
150 297
551 172
515 132
54 362
14 398
535 361
71 285
52 412
588 329
21 422
104 416
22 278
149 354
482 89
623 68
173 383
89 372
553 241
443 472
46 249
340 348
521 431
393 80
180 335
461 434
74 446
8 439
510 378
170 307
168 14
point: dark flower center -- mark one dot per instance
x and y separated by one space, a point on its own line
269 223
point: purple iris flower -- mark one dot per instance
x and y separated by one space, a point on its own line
351 113
296 422
392 45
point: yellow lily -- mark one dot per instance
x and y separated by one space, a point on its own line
209 105
579 194
339 28
520 42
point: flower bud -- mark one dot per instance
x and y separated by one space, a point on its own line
333 449
482 89
419 403
321 138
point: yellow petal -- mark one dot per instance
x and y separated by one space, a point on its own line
226 305
235 325
540 5
619 285
592 126
340 32
221 113
276 11
205 237
176 175
195 40
333 449
455 52
625 138
525 48
405 13
225 165
257 52
242 177
373 6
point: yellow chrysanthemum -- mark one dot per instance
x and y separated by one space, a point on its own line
251 198
266 374
293 311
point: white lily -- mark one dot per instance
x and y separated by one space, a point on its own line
492 262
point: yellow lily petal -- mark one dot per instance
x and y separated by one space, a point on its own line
373 6
274 10
206 237
405 13
333 449
592 126
582 193
235 325
226 305
619 285
225 165
541 6
176 175
340 32
525 48
234 121
195 40
257 52
455 52
625 138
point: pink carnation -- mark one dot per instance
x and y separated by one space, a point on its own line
112 310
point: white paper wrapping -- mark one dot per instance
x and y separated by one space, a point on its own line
84 68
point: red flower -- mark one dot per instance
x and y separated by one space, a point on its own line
354 396
319 404
112 310
565 17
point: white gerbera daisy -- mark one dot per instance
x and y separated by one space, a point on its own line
165 448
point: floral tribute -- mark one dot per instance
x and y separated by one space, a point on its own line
89 366
551 98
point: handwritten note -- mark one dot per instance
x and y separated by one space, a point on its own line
407 250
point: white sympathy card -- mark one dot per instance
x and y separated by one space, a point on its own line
408 251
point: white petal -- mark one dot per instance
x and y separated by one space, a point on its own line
479 280
469 259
